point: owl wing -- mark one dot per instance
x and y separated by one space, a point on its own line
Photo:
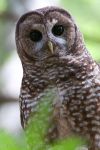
28 107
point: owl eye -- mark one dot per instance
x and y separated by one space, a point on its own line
35 35
58 30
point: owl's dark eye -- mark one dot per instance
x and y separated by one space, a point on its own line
35 35
58 30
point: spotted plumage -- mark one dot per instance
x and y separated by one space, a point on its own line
54 56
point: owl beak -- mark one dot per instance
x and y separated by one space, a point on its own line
50 46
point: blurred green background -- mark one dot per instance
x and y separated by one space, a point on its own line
87 16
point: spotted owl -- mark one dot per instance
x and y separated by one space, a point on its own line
54 56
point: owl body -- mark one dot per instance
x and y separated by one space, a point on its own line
54 55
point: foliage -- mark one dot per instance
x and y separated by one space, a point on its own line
35 133
7 142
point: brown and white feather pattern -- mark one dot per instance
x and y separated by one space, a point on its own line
70 70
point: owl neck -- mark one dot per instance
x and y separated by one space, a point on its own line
77 67
82 66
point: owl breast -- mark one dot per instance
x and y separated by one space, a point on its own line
75 104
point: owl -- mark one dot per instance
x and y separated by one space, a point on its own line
54 56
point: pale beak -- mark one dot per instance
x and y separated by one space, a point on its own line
50 46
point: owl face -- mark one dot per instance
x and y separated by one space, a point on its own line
45 33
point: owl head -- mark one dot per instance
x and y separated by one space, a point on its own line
47 32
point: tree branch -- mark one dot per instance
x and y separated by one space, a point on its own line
7 99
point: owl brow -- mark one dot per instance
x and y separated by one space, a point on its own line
23 17
27 15
59 10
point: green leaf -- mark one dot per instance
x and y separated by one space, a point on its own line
7 142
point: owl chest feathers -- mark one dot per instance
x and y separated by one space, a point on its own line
77 95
